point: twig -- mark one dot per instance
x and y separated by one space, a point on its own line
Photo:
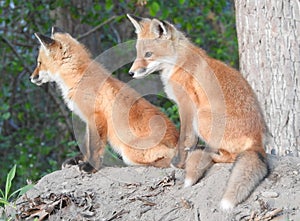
273 213
153 194
120 213
144 210
163 216
12 99
116 34
97 27
168 180
196 213
146 202
268 215
23 44
15 82
17 54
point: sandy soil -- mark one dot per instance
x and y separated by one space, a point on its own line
147 193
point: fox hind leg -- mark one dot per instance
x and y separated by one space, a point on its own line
223 156
197 162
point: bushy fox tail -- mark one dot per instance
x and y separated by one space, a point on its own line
249 169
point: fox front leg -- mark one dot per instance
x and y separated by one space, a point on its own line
73 161
188 138
93 149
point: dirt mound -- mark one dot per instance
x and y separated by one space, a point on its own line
147 193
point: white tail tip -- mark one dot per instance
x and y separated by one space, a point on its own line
226 205
188 182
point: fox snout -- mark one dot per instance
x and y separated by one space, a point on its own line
139 73
40 77
143 67
34 78
139 68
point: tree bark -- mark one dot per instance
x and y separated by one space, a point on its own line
269 49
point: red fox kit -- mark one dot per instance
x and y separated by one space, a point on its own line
215 103
111 110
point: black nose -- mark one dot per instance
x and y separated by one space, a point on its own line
131 73
35 77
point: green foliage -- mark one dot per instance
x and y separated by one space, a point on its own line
35 126
5 195
170 109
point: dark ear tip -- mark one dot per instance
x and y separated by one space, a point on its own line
138 19
46 40
164 23
57 30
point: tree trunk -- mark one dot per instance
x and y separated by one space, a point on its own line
269 50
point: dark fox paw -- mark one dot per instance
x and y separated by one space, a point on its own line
87 168
177 162
72 161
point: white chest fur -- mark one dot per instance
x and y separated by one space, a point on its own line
165 77
69 102
74 108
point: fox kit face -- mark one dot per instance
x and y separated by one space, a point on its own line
53 53
155 46
43 72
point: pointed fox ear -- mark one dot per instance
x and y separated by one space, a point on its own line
161 29
56 30
136 22
44 40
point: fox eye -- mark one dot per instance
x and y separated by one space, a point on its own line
39 63
148 54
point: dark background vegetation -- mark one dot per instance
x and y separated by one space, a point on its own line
35 126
